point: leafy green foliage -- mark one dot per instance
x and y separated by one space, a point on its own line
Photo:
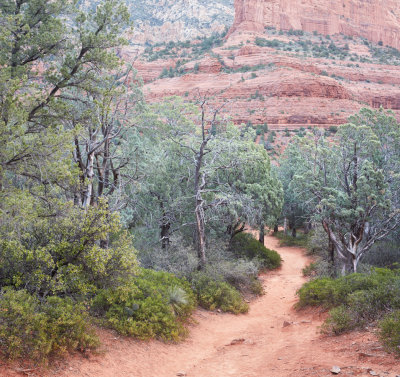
214 294
390 331
62 254
355 300
300 240
330 292
38 330
359 205
150 305
339 321
246 246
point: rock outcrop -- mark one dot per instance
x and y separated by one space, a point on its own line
289 80
376 20
175 20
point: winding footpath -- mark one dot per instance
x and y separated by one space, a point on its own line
272 340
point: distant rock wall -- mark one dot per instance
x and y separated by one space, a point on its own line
376 20
175 20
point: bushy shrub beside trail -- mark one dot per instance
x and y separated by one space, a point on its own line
358 300
151 305
35 329
246 246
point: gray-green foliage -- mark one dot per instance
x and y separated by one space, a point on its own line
351 185
186 161
55 64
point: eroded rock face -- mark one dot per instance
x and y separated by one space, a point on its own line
281 83
288 92
172 20
376 20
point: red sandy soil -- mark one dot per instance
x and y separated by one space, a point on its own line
272 340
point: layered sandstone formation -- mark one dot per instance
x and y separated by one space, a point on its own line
283 87
376 20
287 92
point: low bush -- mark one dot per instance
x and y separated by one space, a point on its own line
339 321
213 294
178 259
384 254
151 305
241 274
244 245
389 332
317 242
287 240
355 300
38 330
310 270
330 292
318 292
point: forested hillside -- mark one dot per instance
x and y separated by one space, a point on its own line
121 213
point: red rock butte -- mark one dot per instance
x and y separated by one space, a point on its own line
270 73
376 20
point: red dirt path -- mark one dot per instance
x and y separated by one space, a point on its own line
257 344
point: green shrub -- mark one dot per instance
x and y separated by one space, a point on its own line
310 270
339 321
151 305
329 292
317 242
246 246
38 330
214 294
389 332
287 240
316 292
356 300
240 273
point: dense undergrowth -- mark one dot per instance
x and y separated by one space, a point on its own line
150 304
244 245
300 240
37 330
358 300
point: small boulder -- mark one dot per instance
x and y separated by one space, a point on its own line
335 369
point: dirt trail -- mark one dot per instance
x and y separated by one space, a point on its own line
272 340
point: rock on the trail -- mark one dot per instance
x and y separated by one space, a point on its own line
286 324
335 369
181 374
373 373
237 341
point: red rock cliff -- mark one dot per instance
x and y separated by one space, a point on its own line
376 20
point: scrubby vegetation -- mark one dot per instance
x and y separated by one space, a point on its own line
126 214
184 49
113 210
150 305
215 294
352 215
244 245
35 329
285 239
329 47
358 300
